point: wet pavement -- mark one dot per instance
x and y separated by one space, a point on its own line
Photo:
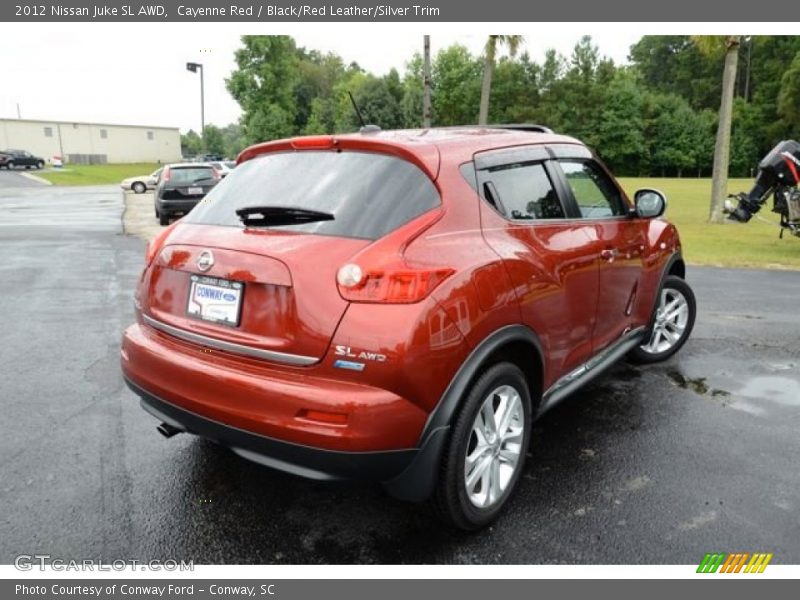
648 465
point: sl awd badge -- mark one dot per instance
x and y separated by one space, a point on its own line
348 352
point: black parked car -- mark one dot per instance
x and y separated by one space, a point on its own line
180 187
11 159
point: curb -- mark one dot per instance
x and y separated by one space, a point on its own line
35 178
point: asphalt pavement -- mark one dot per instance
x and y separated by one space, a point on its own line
655 464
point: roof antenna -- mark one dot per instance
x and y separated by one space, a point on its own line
355 107
365 128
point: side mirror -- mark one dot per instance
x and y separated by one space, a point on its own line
649 203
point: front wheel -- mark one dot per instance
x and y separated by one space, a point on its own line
40 165
486 452
672 323
163 219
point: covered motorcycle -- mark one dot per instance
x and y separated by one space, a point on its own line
779 175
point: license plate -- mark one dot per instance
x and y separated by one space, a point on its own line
194 191
215 300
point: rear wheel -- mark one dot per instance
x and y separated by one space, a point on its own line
10 165
486 452
40 165
672 323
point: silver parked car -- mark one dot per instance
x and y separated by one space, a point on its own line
141 183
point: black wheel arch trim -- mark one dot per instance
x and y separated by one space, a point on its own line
442 416
665 272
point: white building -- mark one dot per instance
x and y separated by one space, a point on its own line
91 142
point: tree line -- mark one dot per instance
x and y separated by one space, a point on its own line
656 115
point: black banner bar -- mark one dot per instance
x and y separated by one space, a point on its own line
253 11
417 589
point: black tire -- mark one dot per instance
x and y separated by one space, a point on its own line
138 187
451 498
163 219
40 165
27 167
648 353
10 165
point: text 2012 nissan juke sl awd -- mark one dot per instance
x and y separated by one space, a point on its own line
401 306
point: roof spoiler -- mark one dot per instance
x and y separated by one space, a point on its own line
532 127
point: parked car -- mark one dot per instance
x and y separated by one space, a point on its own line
401 306
224 166
11 159
141 183
180 187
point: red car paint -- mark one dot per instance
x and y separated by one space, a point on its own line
577 283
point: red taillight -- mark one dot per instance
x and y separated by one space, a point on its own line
328 418
318 142
398 285
154 245
380 273
217 174
165 174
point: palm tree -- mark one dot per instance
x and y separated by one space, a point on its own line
722 148
513 42
426 82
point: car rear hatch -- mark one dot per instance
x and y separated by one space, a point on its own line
189 182
266 287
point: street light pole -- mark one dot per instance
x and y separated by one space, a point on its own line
194 67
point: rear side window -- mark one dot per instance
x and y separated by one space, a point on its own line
189 175
520 192
368 194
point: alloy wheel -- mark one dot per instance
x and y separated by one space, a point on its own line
672 317
493 452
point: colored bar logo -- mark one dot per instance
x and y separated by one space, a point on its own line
739 562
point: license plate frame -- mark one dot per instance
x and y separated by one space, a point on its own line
194 190
228 314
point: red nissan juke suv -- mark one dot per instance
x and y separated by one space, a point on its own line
401 306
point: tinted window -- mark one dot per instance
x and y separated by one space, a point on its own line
189 175
368 194
520 191
595 193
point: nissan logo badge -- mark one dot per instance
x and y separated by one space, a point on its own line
205 261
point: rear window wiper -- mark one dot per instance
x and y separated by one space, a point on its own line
272 216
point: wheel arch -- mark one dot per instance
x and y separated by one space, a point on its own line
517 344
676 267
512 343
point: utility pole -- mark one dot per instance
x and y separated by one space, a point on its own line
426 83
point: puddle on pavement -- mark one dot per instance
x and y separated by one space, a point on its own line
774 388
698 385
771 387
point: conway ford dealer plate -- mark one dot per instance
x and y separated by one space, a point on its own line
215 300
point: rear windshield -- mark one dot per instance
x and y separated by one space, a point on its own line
368 194
187 175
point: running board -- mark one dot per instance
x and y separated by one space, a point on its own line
580 376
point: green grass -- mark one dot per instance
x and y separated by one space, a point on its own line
95 174
754 244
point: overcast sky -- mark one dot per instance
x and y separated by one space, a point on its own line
135 74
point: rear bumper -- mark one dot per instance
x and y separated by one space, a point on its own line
177 206
286 403
305 461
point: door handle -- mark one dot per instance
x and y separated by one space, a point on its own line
608 254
